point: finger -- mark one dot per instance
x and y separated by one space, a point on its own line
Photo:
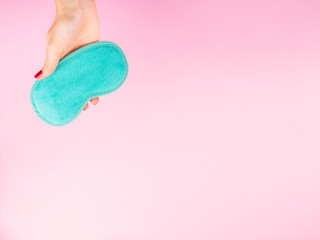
94 101
51 62
86 107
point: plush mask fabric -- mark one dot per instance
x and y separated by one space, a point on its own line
94 70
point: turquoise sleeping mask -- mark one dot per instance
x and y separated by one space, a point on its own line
91 71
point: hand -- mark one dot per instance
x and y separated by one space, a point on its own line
76 24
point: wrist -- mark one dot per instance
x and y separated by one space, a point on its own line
73 5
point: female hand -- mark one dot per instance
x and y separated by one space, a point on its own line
76 24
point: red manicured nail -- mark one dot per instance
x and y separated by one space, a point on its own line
39 74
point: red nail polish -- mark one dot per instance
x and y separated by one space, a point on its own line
39 74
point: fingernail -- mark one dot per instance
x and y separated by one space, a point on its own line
39 74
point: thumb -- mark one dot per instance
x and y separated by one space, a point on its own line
51 62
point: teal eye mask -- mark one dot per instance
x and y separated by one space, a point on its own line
91 71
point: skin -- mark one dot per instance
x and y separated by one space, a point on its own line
76 24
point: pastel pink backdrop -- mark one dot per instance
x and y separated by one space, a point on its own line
214 135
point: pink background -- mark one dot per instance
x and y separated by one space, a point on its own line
214 135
